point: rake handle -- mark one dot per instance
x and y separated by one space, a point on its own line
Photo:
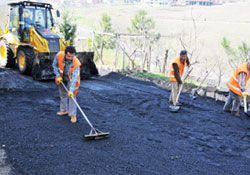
205 77
184 78
86 118
179 93
245 104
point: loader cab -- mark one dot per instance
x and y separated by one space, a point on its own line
25 14
36 16
14 19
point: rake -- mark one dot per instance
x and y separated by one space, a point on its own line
175 108
94 134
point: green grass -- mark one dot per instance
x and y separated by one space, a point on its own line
159 76
83 21
156 76
108 58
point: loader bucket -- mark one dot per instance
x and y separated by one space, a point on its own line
42 66
88 68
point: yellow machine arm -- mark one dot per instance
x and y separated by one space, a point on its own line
39 43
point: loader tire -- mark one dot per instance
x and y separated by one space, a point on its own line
25 58
6 55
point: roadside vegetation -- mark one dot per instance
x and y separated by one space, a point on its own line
156 76
68 27
189 28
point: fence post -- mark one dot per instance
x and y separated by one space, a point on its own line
116 50
165 62
123 61
143 54
93 40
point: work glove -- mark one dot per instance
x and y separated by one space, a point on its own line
243 89
244 94
58 80
70 94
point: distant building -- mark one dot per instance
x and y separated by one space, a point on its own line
201 2
207 2
158 2
184 2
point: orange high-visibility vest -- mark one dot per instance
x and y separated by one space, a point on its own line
73 66
180 66
233 84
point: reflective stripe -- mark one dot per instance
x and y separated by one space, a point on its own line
234 87
235 78
60 71
76 88
172 69
172 76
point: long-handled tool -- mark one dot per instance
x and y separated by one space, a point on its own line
194 95
94 134
245 107
175 108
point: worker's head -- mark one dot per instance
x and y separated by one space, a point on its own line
183 56
70 52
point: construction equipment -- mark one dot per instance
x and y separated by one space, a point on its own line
94 134
176 108
30 41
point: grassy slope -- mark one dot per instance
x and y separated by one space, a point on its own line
212 24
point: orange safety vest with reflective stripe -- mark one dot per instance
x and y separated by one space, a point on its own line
180 66
233 84
73 66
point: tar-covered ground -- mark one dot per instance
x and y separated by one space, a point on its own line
145 138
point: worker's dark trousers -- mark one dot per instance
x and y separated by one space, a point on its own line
174 92
233 102
66 103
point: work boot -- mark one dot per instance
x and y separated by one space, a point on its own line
236 114
73 119
62 113
226 110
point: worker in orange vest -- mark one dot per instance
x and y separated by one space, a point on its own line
237 89
175 74
67 70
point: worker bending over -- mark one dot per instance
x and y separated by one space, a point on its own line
175 75
67 70
237 89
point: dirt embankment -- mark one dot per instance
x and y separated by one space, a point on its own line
145 138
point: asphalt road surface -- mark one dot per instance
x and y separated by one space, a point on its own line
145 138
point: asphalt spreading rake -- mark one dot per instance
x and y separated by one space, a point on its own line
175 108
246 111
94 134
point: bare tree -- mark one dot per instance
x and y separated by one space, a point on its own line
103 40
144 25
220 68
165 62
189 42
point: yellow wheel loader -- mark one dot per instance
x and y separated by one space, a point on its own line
30 41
